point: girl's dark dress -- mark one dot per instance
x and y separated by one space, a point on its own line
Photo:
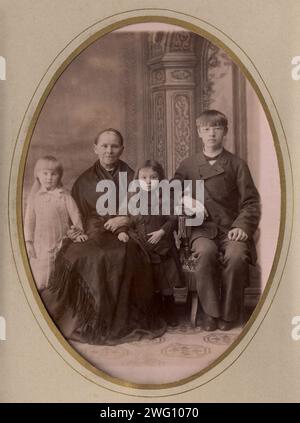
163 256
107 283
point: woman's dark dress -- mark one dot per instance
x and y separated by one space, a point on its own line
106 283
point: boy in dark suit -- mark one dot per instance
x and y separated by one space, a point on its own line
232 213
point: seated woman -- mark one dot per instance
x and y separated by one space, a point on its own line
104 284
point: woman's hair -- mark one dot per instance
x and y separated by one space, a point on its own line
114 131
45 162
155 166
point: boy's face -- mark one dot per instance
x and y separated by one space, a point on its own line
212 136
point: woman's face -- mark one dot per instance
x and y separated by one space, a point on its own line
108 149
148 178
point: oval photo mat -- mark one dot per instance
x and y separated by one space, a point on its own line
118 76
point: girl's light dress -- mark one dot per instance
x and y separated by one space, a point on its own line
47 220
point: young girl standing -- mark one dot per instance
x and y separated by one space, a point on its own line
154 233
50 208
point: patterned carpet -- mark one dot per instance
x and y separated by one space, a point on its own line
181 352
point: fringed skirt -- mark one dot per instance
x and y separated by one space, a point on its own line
108 285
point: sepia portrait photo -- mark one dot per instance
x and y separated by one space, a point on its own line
152 297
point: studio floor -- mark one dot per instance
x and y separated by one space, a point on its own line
181 352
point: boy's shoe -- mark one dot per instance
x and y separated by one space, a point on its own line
224 325
209 323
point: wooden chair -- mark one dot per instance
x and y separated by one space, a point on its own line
188 265
252 292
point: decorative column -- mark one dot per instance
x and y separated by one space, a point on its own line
171 73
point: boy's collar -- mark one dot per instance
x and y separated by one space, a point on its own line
222 158
215 157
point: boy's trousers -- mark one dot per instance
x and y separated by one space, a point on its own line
221 274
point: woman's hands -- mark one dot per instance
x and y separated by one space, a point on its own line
81 238
155 236
115 223
76 234
123 236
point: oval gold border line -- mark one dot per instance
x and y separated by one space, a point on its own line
50 85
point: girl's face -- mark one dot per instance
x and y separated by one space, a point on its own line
148 178
48 178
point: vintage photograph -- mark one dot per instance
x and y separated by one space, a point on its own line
146 297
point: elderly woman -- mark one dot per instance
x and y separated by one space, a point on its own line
104 282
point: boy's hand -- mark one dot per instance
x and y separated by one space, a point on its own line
237 234
30 249
81 238
192 206
123 237
156 236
